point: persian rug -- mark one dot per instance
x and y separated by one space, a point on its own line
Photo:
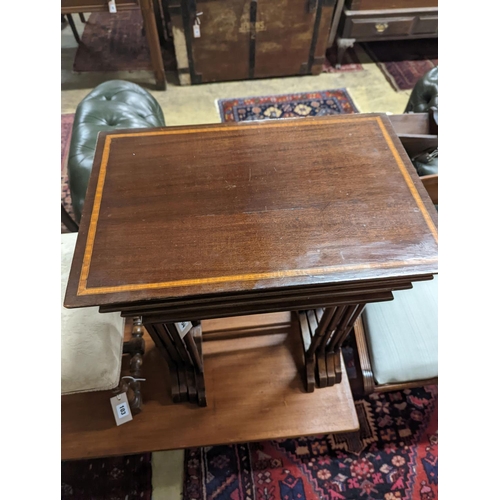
66 128
117 478
117 42
403 63
394 457
328 102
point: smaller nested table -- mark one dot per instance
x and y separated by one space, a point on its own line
317 216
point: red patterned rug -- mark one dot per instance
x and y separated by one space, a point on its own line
66 128
404 62
328 102
119 478
394 457
351 62
117 42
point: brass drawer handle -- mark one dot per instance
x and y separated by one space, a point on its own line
381 27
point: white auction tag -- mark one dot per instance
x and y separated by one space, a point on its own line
112 6
196 30
183 327
121 409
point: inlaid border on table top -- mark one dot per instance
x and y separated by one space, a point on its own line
94 218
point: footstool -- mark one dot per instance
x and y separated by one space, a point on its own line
112 105
92 344
397 341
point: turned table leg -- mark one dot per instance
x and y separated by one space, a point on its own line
135 348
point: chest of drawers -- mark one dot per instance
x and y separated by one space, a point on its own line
371 20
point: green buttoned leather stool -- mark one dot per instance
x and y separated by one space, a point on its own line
112 105
424 95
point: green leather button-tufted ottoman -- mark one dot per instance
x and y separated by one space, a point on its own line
115 104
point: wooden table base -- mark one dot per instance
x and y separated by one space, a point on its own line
184 358
253 372
323 332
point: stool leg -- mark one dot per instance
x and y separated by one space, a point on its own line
73 28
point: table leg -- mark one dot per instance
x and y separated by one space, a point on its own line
153 43
199 374
323 333
184 358
345 327
309 357
175 384
73 28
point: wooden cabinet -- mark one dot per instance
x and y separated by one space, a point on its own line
371 20
219 40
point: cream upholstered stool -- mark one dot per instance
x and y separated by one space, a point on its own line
92 344
397 341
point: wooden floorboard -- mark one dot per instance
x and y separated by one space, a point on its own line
254 389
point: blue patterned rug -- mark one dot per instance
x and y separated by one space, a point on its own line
327 102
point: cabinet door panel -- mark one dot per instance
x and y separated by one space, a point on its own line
222 50
284 31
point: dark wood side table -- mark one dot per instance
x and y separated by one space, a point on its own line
317 216
150 26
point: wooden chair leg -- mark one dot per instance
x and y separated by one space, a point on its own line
68 221
73 28
153 43
82 17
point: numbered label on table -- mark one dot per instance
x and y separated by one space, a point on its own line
121 409
183 327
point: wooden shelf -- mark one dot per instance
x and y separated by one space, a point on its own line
254 392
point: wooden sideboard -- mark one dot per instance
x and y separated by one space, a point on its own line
371 20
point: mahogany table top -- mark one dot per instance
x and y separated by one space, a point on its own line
215 210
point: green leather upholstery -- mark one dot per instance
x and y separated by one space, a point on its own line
115 104
423 98
426 165
402 335
425 93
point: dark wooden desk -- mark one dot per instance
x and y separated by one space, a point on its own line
148 15
318 216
